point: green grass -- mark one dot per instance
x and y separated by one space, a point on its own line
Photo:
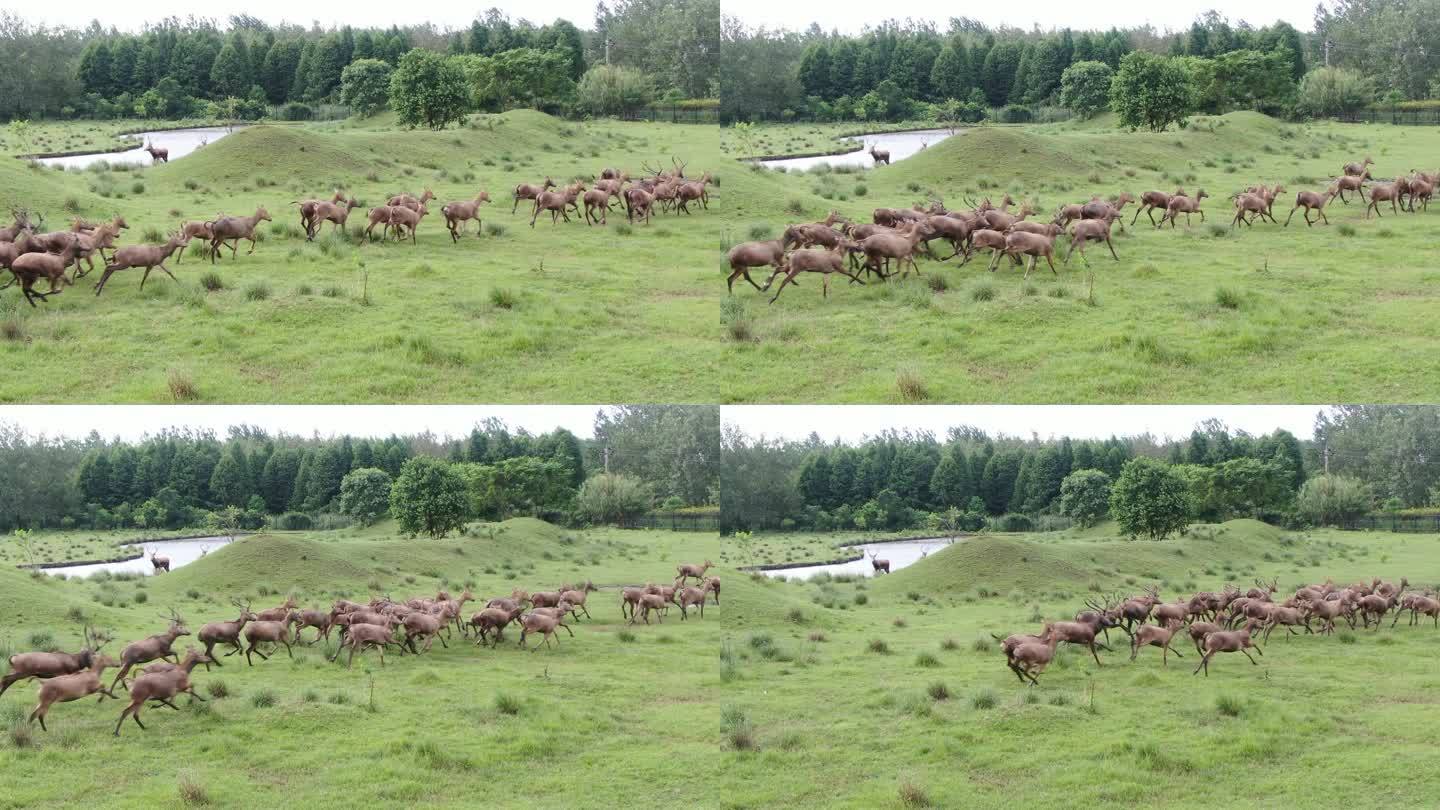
416 731
1280 314
581 313
1116 735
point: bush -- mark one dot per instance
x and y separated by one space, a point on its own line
296 111
1228 705
938 691
878 645
263 699
927 660
735 727
211 281
984 699
506 703
257 291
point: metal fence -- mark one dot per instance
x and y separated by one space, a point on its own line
1392 116
674 115
675 522
1424 524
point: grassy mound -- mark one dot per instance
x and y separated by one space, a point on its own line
281 153
761 601
43 601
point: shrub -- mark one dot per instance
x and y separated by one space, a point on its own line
211 281
911 386
1228 705
938 691
263 699
983 292
257 291
736 728
984 699
182 388
878 645
217 688
506 703
503 298
927 660
1226 298
192 793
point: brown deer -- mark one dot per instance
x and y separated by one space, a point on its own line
814 260
690 596
158 154
630 600
899 245
20 224
307 208
362 637
404 220
1381 192
493 619
1136 610
1154 635
422 625
1181 204
1361 169
694 191
156 561
234 229
526 191
1252 204
194 230
953 229
1419 605
1100 617
597 203
1349 183
543 624
1151 200
747 255
1374 607
148 257
1079 633
261 632
879 566
1313 201
1108 210
638 203
156 647
880 156
460 213
333 213
650 602
545 599
162 687
1228 641
411 202
1421 189
557 203
1000 220
576 597
42 665
1090 230
1287 617
712 585
76 686
1019 243
277 614
1199 630
225 632
1264 590
31 267
1029 659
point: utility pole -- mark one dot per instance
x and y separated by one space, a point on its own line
1327 53
607 459
607 51
1327 458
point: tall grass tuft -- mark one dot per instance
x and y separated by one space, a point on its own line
736 729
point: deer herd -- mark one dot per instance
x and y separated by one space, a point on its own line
154 673
33 256
858 251
1229 621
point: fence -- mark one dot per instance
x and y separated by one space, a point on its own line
674 115
1392 116
1397 523
675 522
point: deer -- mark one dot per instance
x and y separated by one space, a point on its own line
493 619
688 597
1381 192
1199 630
1136 610
194 230
29 268
1100 617
694 191
75 686
43 665
1349 183
225 632
1181 204
1151 200
747 255
650 602
1361 169
953 229
10 251
815 260
156 647
1155 635
307 208
526 191
1421 189
1419 605
899 245
1000 220
1019 243
403 219
424 625
556 202
983 238
1090 230
1029 659
543 624
363 636
880 156
260 632
1108 210
517 597
613 174
1228 641
712 585
411 202
1252 204
162 687
576 597
878 566
630 600
1374 606
1079 633
1313 201
21 223
1287 617
235 228
318 619
277 614
545 599
148 257
158 154
333 213
92 243
638 203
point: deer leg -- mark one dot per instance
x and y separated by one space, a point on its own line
1204 664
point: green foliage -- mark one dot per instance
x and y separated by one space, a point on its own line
1085 496
612 90
365 85
1150 91
428 89
429 497
1328 91
1150 499
611 498
1085 87
1330 500
365 494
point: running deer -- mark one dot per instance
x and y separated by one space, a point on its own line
1313 201
42 665
1361 169
526 191
460 213
543 624
76 686
1090 230
412 202
31 267
1228 641
690 596
158 154
557 203
1030 658
1151 200
333 213
493 619
748 255
879 566
638 203
597 203
162 687
1252 204
156 647
1019 243
1349 183
225 632
899 245
1153 635
650 602
1181 204
234 229
1381 192
277 614
694 191
318 619
308 207
365 636
712 585
148 257
816 260
257 633
404 220
576 597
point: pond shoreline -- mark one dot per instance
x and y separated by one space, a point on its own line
123 147
860 148
856 558
137 555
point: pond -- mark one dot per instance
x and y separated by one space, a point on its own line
180 552
901 145
900 553
180 142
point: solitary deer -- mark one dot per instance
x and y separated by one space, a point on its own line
158 154
880 156
460 213
148 257
878 565
158 562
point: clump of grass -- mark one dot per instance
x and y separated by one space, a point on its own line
912 795
984 699
1347 637
937 282
861 599
927 660
1346 229
503 298
339 699
1059 699
1226 298
624 229
938 691
182 388
878 645
257 291
983 292
735 317
795 615
795 206
911 386
506 703
217 688
495 229
759 233
735 727
211 281
818 636
263 699
333 291
1228 705
192 793
13 328
625 636
861 190
949 645
899 621
981 645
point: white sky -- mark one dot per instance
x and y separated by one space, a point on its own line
850 16
131 422
851 423
362 14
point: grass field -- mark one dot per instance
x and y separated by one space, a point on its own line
1197 314
565 313
616 716
83 544
889 692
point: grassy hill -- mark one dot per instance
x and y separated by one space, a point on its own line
1280 314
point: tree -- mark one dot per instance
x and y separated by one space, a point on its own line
613 90
429 89
1085 496
1149 498
1328 91
365 85
611 498
365 494
1085 87
950 75
230 483
1150 91
1332 500
428 497
230 74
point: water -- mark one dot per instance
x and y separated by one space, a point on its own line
180 552
899 553
900 144
180 142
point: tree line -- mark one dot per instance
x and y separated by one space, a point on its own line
637 52
640 458
971 480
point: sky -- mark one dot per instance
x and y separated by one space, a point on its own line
363 14
852 423
850 16
131 422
